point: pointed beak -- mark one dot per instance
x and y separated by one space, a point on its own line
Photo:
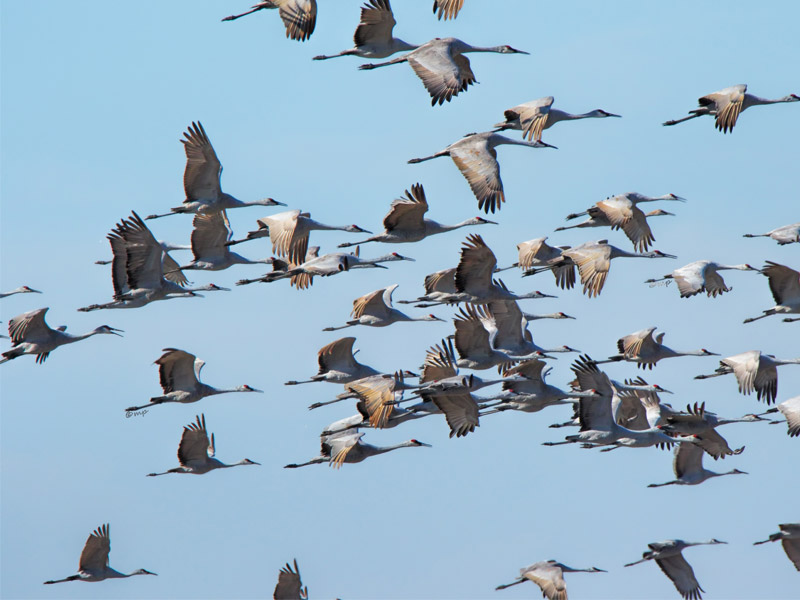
362 230
521 52
665 255
252 462
377 266
424 444
33 291
490 222
541 295
114 331
678 198
274 202
540 144
608 114
252 389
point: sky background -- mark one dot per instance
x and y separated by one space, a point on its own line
95 97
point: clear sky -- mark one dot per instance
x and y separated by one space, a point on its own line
96 95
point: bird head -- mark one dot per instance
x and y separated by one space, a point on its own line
26 290
214 288
269 202
356 229
509 50
247 461
432 318
418 443
561 315
107 329
660 389
397 256
708 353
659 254
144 572
481 221
601 113
247 388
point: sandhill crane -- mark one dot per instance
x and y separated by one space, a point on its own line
593 260
787 234
476 158
138 269
298 16
688 467
405 223
789 535
702 425
442 66
179 373
196 452
337 364
701 276
537 115
638 224
753 371
473 276
30 334
784 283
537 253
447 9
668 557
621 212
374 386
474 343
557 315
20 290
639 405
509 328
529 392
209 234
289 231
201 178
373 37
341 448
549 576
290 586
93 565
645 350
597 423
791 411
375 310
168 263
440 373
725 106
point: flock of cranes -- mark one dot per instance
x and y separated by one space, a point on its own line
490 328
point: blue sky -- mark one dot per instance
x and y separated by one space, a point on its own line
95 97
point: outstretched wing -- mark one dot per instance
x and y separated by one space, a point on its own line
95 553
203 169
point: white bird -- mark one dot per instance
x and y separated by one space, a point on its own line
290 586
645 350
20 290
621 212
668 557
533 117
791 411
476 158
688 467
201 178
787 234
784 283
442 66
196 452
179 373
789 535
298 16
373 36
341 448
549 576
447 9
289 232
338 365
725 106
138 269
753 371
30 334
93 565
209 236
405 223
593 260
701 276
537 252
375 310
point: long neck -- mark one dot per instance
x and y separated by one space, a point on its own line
432 226
69 339
786 361
751 100
732 267
385 449
238 258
